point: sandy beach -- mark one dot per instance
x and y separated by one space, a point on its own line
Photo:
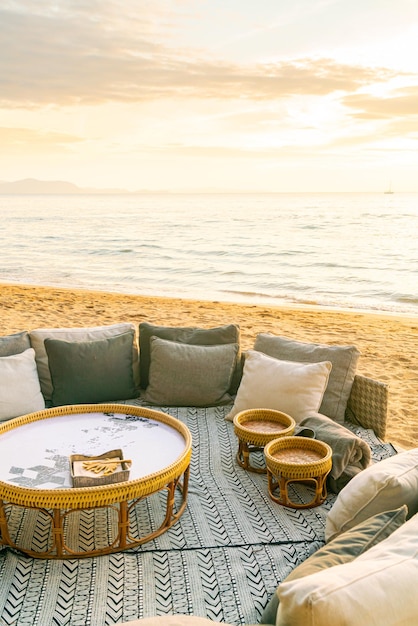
388 343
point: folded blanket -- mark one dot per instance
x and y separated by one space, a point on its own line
349 452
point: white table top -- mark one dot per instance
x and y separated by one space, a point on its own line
35 455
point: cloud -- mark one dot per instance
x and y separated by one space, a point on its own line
91 53
22 140
402 103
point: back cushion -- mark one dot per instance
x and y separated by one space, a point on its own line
344 362
14 344
38 336
189 335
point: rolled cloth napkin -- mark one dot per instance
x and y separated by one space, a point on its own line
350 454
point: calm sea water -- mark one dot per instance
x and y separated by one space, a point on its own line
336 250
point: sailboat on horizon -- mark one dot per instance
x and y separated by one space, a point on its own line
389 189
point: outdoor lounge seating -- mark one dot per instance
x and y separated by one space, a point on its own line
225 557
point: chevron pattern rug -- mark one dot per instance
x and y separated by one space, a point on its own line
223 559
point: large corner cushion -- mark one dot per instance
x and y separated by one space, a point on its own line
91 371
344 361
94 333
188 375
343 549
20 391
381 486
376 588
191 335
293 388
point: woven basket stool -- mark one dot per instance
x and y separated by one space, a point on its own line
297 459
255 428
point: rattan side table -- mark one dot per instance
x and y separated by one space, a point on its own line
255 428
297 459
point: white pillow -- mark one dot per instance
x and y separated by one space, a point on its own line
378 588
385 485
288 386
38 336
20 392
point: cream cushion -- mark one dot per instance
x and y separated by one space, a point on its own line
20 392
38 336
385 485
378 588
288 386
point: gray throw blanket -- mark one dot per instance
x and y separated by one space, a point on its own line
350 454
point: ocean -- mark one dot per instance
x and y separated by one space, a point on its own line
347 250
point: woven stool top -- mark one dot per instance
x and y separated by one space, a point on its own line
264 426
296 455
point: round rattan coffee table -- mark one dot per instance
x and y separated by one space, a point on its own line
255 428
36 481
297 459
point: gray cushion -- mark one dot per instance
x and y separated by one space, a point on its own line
344 362
343 549
91 371
38 336
188 375
14 344
189 335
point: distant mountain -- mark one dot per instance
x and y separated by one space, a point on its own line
31 186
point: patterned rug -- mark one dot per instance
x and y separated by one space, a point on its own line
223 559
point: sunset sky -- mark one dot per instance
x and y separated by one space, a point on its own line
222 95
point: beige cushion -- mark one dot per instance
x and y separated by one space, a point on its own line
38 336
287 386
343 549
344 362
378 588
20 392
382 486
189 375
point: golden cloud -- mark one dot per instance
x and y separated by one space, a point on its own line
78 56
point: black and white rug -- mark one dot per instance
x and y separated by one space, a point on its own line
223 559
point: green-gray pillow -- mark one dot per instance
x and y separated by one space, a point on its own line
229 333
91 371
344 362
14 344
343 549
187 375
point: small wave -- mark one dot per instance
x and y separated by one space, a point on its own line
407 300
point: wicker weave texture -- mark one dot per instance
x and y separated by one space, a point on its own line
368 404
88 497
285 426
301 446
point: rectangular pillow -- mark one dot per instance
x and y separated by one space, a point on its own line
20 391
268 383
344 361
91 371
38 336
188 375
190 335
14 344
